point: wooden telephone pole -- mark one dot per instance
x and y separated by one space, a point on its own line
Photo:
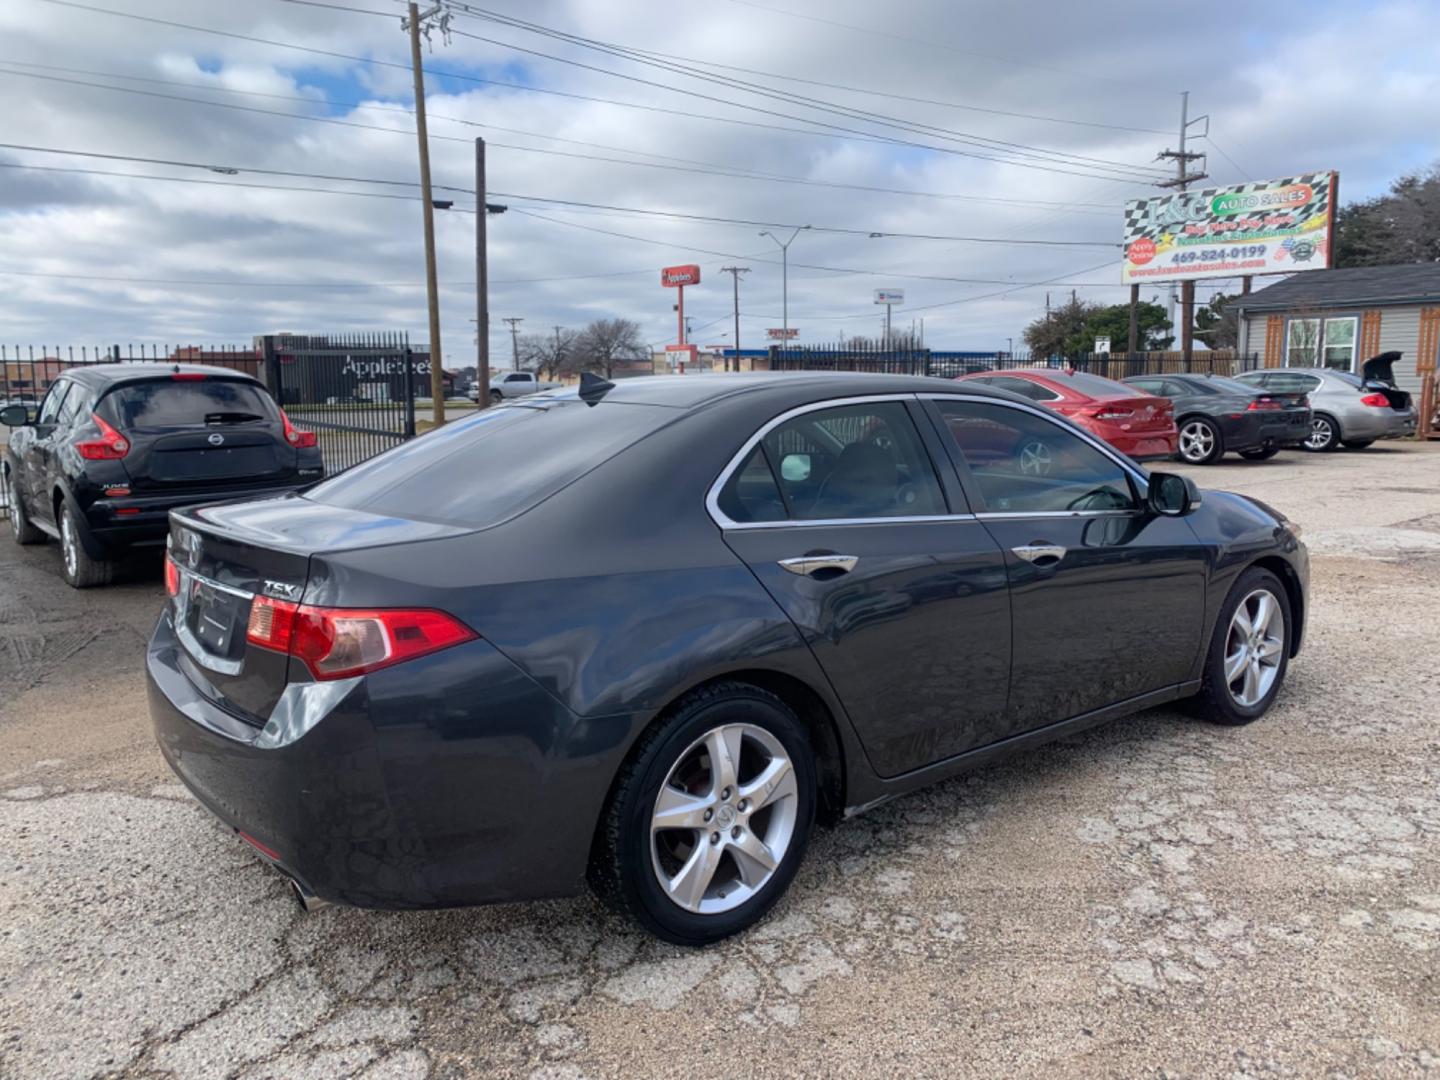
735 272
1182 181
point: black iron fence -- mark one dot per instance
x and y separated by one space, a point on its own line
950 365
355 391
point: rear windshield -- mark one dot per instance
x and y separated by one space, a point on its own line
1353 380
486 468
1224 385
1092 385
175 403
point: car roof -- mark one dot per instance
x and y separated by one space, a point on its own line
112 374
698 390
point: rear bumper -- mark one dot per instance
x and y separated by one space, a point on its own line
139 521
382 792
1144 447
1378 424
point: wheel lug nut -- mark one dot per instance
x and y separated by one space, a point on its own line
735 832
743 805
709 814
725 795
714 838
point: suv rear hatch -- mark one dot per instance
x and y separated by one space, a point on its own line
191 433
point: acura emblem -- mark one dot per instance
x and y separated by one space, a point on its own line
216 439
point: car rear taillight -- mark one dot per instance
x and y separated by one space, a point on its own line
172 577
1111 412
298 439
1264 404
1375 401
336 643
110 446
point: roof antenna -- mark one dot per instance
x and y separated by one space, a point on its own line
593 387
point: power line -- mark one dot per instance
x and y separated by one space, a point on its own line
848 112
524 88
715 171
1227 157
668 214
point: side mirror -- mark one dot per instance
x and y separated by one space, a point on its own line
1172 495
15 415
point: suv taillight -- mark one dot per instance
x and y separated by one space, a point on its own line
111 446
336 643
298 439
1375 401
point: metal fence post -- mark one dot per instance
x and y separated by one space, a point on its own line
409 384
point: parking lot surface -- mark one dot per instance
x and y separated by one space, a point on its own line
1152 897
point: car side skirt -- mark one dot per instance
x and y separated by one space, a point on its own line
874 791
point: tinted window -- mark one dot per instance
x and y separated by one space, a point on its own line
1024 387
176 403
1345 376
517 378
1291 382
50 407
1022 462
751 493
854 461
1092 385
1149 386
486 468
1223 385
75 405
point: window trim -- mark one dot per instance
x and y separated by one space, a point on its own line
64 385
1137 476
712 497
1322 322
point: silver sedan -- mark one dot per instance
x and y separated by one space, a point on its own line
1345 409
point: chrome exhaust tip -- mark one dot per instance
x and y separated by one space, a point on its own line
307 900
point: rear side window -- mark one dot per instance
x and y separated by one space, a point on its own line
178 403
1024 387
751 493
486 468
1092 385
1290 382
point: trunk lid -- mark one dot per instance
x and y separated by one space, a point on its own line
228 554
1378 375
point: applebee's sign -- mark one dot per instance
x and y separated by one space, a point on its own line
674 276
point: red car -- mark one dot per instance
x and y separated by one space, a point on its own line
1140 425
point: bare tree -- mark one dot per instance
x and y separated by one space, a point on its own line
548 354
605 343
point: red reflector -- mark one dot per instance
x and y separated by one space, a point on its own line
268 852
116 492
298 439
172 577
110 446
189 376
1375 401
336 643
127 511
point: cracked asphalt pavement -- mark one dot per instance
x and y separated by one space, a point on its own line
1153 897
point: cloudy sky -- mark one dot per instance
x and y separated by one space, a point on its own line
1029 124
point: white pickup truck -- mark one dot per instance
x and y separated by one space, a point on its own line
514 384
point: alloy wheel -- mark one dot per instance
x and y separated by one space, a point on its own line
724 819
1035 459
69 543
1197 441
1254 648
1322 434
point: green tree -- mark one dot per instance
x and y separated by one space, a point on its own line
1217 324
1114 322
1401 226
1061 330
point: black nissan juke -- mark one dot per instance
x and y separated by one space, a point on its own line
643 634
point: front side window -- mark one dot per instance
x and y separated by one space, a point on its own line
850 461
50 407
1024 463
75 402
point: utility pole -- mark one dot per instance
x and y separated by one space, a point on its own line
482 283
432 288
735 272
1182 181
555 365
515 321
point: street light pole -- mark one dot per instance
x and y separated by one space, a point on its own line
785 278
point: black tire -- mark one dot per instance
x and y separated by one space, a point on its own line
624 868
496 397
1260 455
22 529
1216 701
1358 444
79 569
1324 434
1202 427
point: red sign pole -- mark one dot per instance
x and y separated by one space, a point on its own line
681 308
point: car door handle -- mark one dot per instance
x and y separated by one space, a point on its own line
1040 554
806 565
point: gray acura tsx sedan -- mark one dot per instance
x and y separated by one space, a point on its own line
645 634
